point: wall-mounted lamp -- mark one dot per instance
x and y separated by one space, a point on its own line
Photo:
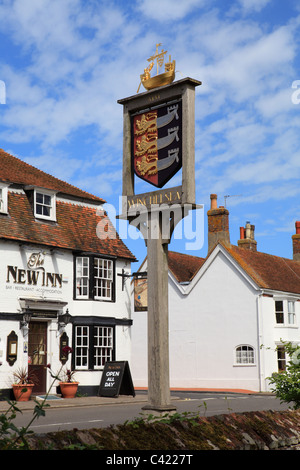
26 317
64 319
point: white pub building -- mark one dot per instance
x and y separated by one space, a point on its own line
61 280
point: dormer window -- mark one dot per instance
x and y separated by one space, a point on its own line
3 199
44 204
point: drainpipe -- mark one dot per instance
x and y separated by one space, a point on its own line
260 354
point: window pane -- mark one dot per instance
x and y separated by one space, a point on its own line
279 311
281 359
82 277
82 347
47 200
43 204
245 355
291 312
39 198
103 345
103 275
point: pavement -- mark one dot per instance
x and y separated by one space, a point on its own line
58 402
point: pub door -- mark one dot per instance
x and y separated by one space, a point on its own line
37 354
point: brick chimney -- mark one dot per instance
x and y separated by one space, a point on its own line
296 242
247 237
218 224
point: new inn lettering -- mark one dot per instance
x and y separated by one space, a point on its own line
33 277
35 274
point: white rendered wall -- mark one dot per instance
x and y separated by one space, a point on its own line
219 314
56 261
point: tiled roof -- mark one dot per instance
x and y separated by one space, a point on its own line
268 271
14 170
75 228
184 267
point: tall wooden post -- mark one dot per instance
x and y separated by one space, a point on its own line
183 91
159 398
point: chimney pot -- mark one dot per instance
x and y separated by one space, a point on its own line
247 240
296 242
218 224
213 202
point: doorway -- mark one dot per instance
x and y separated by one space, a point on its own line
37 354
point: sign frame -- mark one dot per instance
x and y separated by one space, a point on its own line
116 380
183 90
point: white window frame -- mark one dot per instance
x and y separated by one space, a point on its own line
281 357
291 312
279 312
82 347
82 276
288 312
98 280
244 355
103 278
51 205
3 198
103 345
93 343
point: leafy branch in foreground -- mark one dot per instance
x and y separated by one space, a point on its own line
14 438
286 384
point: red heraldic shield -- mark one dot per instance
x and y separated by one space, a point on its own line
157 144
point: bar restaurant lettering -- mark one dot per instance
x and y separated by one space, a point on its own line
35 274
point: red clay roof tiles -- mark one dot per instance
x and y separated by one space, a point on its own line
14 170
184 267
75 228
267 271
76 225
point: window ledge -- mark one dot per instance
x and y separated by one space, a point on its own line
244 365
294 327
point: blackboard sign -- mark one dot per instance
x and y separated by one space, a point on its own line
116 380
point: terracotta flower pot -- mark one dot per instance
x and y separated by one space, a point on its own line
22 392
68 389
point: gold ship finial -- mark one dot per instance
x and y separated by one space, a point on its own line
158 80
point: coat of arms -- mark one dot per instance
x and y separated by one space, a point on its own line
157 143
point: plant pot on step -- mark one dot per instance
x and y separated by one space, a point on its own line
68 389
22 392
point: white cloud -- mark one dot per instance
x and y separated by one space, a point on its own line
168 10
77 58
255 5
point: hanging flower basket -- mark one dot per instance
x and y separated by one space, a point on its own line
68 389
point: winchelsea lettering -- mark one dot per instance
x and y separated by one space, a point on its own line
27 276
170 196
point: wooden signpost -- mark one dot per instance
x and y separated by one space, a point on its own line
158 141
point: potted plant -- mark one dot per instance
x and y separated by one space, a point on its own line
23 384
68 386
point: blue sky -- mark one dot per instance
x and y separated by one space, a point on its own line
65 63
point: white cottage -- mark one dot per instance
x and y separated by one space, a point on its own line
61 279
229 313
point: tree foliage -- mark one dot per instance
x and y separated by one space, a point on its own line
286 384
